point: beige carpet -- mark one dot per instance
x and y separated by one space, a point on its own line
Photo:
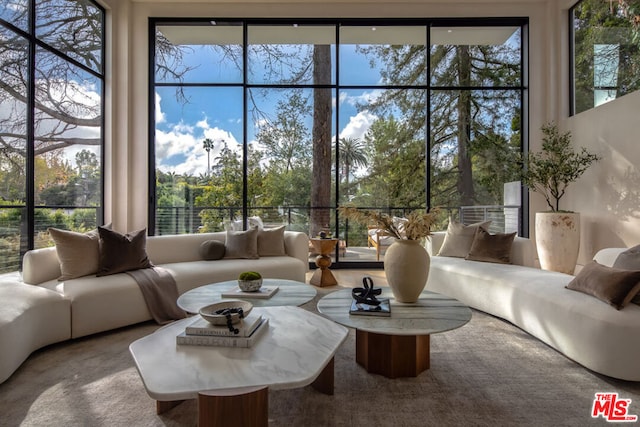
486 373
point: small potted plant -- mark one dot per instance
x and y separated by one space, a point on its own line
250 281
549 172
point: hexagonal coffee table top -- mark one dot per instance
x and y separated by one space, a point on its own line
291 353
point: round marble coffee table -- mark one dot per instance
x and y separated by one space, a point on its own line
290 292
397 346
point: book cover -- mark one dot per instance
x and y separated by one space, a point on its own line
263 292
384 309
245 327
222 341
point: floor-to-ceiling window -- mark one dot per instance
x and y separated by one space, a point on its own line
51 121
283 121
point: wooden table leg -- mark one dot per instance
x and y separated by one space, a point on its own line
248 406
392 355
324 382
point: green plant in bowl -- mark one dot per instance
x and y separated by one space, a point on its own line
250 281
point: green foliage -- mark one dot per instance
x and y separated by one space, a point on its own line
557 165
249 275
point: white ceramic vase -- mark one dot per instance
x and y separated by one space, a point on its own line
406 266
558 240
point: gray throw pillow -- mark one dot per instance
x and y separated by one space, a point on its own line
78 253
489 247
211 250
122 252
271 242
611 285
459 237
242 244
629 259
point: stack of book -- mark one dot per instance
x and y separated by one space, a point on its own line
383 309
264 292
201 332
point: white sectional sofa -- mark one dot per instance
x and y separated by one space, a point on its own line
582 327
40 310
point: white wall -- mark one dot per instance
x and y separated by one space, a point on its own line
607 195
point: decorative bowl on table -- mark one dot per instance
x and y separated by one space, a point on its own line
220 312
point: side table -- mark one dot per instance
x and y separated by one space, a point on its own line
323 276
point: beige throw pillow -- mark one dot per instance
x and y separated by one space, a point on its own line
78 253
242 244
612 285
122 252
487 247
459 237
271 242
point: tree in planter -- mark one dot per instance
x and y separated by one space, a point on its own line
557 165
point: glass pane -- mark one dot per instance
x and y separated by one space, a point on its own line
382 159
476 56
68 120
475 141
13 128
383 55
281 168
291 54
199 53
198 158
72 27
606 59
15 12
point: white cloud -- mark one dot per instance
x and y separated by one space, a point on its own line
160 117
364 98
358 125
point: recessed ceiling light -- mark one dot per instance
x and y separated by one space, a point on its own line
373 28
213 23
295 25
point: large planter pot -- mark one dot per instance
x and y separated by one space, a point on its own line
558 240
406 266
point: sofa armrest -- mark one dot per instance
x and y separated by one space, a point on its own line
40 265
608 256
296 244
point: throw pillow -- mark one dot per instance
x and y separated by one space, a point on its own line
489 247
271 242
211 250
78 253
612 285
459 237
122 252
242 244
629 259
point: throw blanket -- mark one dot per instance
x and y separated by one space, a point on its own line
160 293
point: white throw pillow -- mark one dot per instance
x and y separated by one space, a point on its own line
459 237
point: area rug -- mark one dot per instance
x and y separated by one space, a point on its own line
487 373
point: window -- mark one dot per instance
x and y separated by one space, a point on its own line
605 38
288 120
51 120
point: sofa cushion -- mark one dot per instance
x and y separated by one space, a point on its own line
612 285
122 252
629 259
78 253
459 237
211 250
271 242
488 247
242 244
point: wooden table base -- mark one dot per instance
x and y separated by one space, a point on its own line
392 355
246 406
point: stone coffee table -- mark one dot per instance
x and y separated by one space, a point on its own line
230 383
397 346
290 292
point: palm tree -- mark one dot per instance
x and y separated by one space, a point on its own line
208 145
352 153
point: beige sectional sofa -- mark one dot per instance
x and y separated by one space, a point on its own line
582 327
40 310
